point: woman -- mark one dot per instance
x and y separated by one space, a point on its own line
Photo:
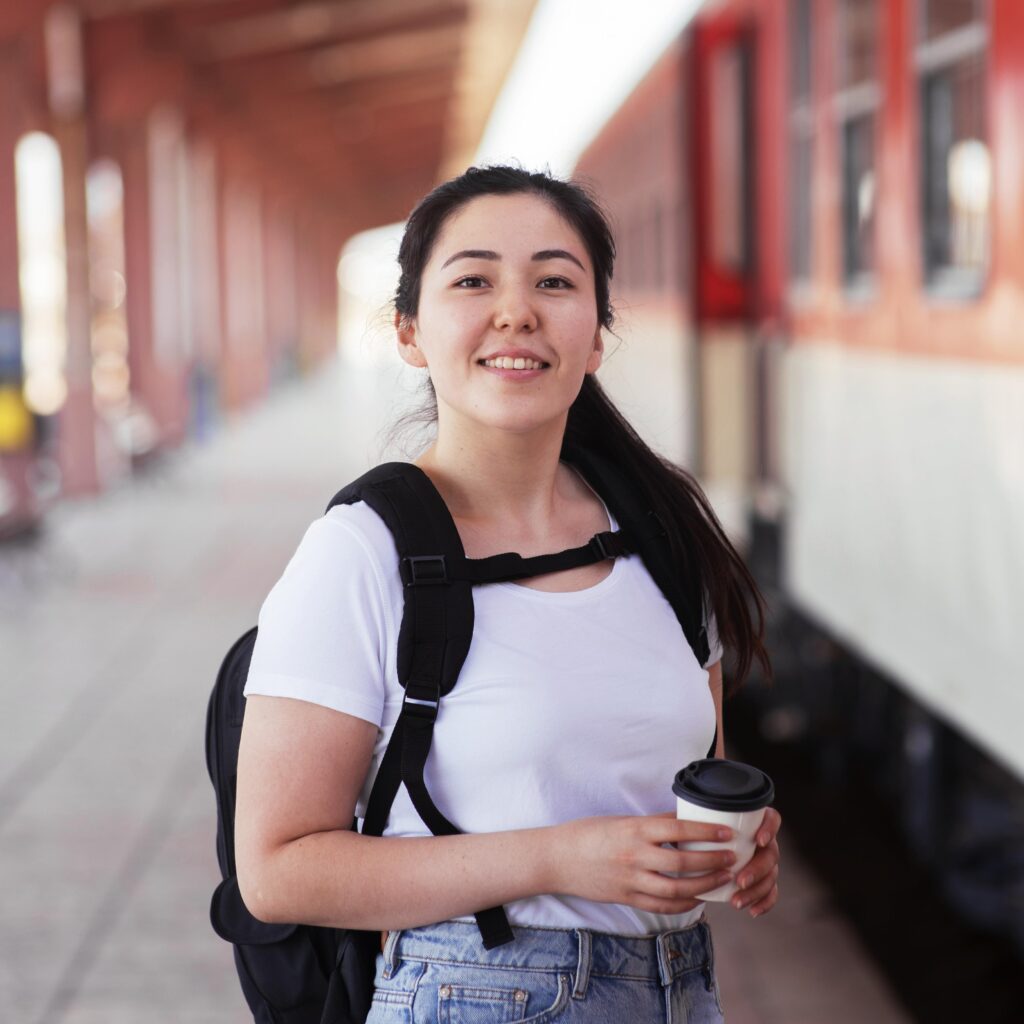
579 699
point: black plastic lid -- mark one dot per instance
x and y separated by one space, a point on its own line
724 785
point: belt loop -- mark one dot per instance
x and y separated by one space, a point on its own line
709 970
579 990
664 961
391 953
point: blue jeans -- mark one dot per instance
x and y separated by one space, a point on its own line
442 973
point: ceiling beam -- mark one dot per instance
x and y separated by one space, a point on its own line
311 24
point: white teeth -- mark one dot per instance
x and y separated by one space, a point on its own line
508 363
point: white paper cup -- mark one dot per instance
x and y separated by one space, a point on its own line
724 793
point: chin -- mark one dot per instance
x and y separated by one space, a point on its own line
521 422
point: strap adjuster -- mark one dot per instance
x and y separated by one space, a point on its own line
423 570
422 709
598 546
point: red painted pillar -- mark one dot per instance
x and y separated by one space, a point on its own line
154 310
76 420
244 364
76 423
206 293
281 286
138 310
19 506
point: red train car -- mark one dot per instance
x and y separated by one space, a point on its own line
821 209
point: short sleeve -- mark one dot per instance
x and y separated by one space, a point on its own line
715 649
323 627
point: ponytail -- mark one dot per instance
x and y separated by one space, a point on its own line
696 537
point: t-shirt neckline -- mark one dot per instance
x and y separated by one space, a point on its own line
567 596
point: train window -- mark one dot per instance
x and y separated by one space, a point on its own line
801 139
857 104
800 54
954 154
729 159
937 17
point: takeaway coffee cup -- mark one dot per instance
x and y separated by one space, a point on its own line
725 793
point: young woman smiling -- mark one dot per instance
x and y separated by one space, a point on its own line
580 697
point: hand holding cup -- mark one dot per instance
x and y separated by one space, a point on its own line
722 792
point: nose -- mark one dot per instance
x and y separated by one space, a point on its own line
514 312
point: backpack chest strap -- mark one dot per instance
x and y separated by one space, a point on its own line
429 570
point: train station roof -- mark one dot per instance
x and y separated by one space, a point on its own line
365 103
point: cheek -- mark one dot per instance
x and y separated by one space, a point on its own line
578 324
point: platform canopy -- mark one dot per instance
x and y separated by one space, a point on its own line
362 104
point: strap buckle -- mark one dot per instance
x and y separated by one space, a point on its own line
422 709
423 570
598 546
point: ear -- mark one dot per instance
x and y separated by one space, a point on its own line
407 336
597 355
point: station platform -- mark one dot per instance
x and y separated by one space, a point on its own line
112 626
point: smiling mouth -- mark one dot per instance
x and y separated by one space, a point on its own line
509 363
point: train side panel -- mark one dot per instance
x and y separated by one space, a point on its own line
903 432
651 214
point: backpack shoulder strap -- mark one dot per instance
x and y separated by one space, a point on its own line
683 591
433 641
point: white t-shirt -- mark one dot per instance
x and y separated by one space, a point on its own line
569 705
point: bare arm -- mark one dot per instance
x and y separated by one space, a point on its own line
300 769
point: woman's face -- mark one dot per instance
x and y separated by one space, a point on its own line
507 320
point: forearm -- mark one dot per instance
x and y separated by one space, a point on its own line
341 879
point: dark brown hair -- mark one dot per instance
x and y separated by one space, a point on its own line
594 421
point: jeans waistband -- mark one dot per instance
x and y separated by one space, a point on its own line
658 958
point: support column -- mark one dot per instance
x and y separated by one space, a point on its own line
76 423
145 380
19 506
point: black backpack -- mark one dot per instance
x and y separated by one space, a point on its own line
302 974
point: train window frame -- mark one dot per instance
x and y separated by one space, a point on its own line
931 58
852 104
801 147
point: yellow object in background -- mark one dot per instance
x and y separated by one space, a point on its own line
15 419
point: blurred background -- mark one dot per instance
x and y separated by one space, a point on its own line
819 209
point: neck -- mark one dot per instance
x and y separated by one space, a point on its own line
495 476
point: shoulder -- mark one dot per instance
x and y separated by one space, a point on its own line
349 548
357 527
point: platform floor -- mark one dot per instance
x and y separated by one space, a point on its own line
111 629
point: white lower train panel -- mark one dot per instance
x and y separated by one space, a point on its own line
905 530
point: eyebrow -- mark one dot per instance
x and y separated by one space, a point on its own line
490 254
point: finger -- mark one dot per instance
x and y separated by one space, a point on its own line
769 827
755 893
666 828
668 859
686 831
665 888
656 906
762 907
758 866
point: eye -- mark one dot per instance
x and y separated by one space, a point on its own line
556 283
473 281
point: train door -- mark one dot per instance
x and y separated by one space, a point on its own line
724 169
